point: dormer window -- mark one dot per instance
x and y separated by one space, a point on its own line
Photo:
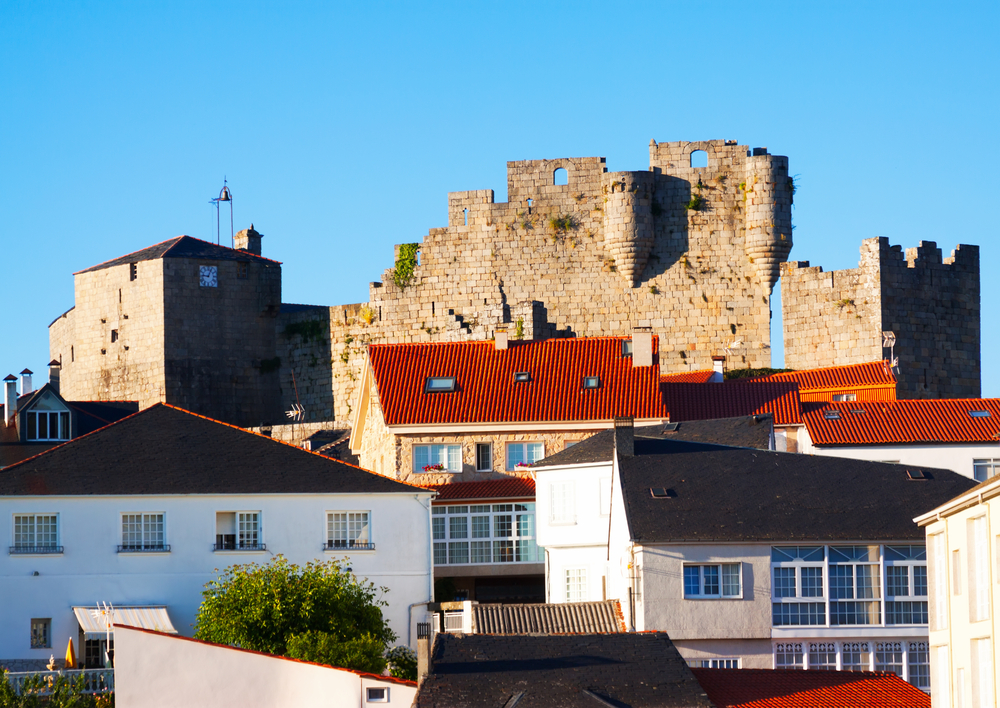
522 377
439 384
47 420
591 381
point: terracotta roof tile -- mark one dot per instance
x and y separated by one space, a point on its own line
702 376
871 381
512 488
693 401
777 688
485 388
908 421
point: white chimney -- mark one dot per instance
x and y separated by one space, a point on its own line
642 346
26 382
500 338
718 369
54 368
9 398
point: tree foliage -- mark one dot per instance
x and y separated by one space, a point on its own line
365 653
65 691
402 663
262 607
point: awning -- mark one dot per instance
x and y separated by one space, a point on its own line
93 620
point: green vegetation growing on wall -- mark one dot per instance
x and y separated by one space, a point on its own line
406 264
751 373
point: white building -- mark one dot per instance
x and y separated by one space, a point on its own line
142 512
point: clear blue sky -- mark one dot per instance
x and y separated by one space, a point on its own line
342 127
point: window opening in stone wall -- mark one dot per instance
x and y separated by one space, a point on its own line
560 176
133 271
699 158
119 296
242 270
114 336
72 354
465 213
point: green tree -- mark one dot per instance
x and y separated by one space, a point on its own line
263 607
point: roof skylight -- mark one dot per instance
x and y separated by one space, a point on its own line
439 384
591 381
831 414
918 475
627 347
979 414
661 492
522 376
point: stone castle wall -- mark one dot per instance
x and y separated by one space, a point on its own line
931 304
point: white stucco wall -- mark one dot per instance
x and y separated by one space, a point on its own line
91 570
954 457
154 670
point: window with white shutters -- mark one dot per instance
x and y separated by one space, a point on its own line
562 502
979 570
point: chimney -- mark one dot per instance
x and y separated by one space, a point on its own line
26 382
718 369
9 398
625 437
248 240
642 346
425 641
500 338
54 368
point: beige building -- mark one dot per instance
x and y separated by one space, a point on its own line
963 548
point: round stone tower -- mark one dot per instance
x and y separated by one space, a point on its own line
768 214
628 221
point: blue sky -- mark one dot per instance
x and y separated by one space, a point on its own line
341 127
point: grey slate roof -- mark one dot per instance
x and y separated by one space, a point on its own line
745 431
729 494
167 450
559 671
546 618
180 247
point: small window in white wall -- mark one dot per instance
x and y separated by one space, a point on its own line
605 496
377 695
982 674
729 663
348 529
979 580
982 470
956 572
940 686
562 503
788 656
576 584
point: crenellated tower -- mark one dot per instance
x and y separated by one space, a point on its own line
628 220
768 194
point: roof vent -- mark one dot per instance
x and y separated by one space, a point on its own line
522 376
917 475
831 414
979 414
661 493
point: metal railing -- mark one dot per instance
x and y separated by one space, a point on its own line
423 629
348 546
94 680
14 550
161 548
239 547
454 622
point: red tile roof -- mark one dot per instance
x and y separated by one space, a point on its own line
908 421
778 688
486 391
693 401
702 376
512 488
871 381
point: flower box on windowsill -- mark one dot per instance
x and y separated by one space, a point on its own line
522 466
435 468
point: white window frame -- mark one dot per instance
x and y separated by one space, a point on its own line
912 565
874 654
424 455
720 569
485 534
62 420
939 576
723 662
44 642
793 648
798 564
34 547
525 454
979 569
985 468
147 543
982 672
562 503
577 578
383 699
878 597
354 537
240 545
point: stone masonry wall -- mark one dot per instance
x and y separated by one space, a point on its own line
932 306
597 256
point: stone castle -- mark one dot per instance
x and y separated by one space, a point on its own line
692 252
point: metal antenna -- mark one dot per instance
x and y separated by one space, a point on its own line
889 342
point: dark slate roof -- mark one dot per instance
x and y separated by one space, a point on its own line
167 450
548 618
180 247
638 670
719 493
745 431
96 414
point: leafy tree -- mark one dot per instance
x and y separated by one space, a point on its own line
402 663
281 606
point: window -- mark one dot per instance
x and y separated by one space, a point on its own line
788 656
979 570
855 585
524 454
439 384
377 695
208 276
699 158
845 397
48 425
712 581
906 585
41 633
856 656
831 414
982 470
142 532
798 596
979 414
437 458
919 665
576 584
522 377
133 271
591 381
238 531
626 347
562 503
484 533
605 496
889 657
823 655
940 687
959 688
938 558
36 533
729 663
484 457
114 336
956 573
348 529
560 176
982 674
242 270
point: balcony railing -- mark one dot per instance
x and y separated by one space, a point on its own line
348 546
42 683
34 550
134 548
239 547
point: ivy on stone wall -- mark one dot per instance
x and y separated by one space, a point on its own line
406 263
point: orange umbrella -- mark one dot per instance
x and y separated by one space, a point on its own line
70 655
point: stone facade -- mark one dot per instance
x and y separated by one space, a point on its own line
932 306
